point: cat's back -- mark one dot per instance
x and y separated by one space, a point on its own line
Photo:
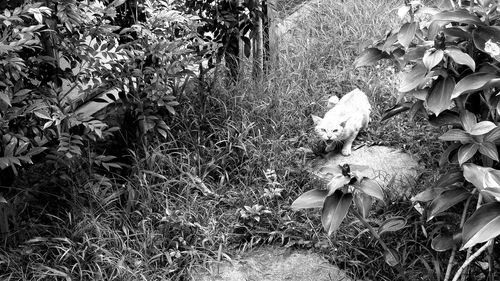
354 102
355 98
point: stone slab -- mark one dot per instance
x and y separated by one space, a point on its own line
270 263
388 166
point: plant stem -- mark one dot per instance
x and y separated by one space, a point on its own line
454 250
478 204
471 259
372 230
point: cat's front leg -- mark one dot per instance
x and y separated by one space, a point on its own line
347 147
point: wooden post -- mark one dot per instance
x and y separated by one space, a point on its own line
271 45
257 47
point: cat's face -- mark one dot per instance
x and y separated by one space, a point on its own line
328 131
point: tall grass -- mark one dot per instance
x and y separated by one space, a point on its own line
203 193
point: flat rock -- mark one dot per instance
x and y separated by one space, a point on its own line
269 263
390 167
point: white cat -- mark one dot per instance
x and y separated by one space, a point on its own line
344 120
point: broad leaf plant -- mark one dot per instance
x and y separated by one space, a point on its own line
448 57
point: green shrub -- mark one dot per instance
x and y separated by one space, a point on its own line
448 58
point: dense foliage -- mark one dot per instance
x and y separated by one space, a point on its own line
448 57
68 67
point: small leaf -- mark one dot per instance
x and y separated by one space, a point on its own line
475 174
395 110
363 203
468 120
450 179
456 135
446 200
392 257
407 33
410 80
482 226
442 243
460 16
392 224
466 152
474 82
492 191
460 57
445 118
314 198
489 149
368 57
457 32
372 188
336 183
403 11
335 209
487 39
432 57
445 157
440 97
482 128
5 98
494 135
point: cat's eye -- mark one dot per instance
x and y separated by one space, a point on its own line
335 130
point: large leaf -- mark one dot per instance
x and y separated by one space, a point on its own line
392 224
487 39
482 128
460 16
372 188
406 33
475 82
410 80
460 57
439 98
368 57
335 209
489 149
482 226
311 199
432 57
446 200
466 152
456 135
475 174
428 194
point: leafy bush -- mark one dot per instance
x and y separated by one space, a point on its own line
63 66
448 57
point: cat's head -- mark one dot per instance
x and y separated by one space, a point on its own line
328 131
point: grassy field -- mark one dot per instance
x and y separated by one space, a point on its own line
204 193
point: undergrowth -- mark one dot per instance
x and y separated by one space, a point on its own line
224 179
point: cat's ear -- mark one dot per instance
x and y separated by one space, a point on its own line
316 119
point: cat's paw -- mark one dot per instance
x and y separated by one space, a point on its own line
346 151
